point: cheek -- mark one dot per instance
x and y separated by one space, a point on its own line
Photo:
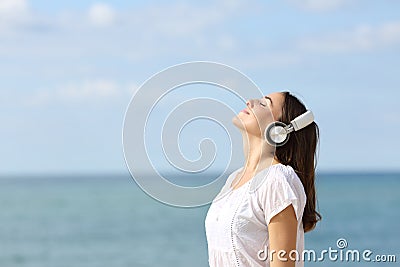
257 124
254 124
275 114
264 118
246 122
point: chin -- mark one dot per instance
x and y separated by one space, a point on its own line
250 128
238 123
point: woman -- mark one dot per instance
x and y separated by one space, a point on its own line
268 204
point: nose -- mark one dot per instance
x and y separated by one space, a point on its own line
250 103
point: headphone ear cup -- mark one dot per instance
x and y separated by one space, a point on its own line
275 134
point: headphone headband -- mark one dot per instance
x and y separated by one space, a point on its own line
303 120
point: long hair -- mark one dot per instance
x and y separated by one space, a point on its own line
300 153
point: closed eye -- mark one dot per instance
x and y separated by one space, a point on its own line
263 102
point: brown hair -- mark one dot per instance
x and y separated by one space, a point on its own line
300 153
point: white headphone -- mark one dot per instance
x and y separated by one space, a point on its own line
277 133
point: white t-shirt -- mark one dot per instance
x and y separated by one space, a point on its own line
237 220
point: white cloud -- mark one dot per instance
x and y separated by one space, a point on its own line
137 35
132 88
363 37
181 19
10 8
13 12
269 60
101 14
390 33
226 42
320 5
89 90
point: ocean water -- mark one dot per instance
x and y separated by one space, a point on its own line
108 221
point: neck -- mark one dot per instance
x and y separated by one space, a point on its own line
258 153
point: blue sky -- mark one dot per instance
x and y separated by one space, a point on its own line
68 70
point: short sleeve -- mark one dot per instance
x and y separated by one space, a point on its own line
280 190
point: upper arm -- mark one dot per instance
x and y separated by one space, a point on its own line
282 231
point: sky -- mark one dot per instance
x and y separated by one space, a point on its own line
68 70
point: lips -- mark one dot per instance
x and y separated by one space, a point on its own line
245 111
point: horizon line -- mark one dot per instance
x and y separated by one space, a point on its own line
127 173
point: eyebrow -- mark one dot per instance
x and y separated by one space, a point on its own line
267 97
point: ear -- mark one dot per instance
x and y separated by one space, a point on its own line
275 134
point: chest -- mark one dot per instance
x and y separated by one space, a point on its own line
236 216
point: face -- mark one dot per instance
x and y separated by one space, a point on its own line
259 113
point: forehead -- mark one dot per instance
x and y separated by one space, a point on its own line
277 103
277 99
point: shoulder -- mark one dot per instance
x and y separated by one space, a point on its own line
275 174
279 188
277 183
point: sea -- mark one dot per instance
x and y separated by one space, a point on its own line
108 221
